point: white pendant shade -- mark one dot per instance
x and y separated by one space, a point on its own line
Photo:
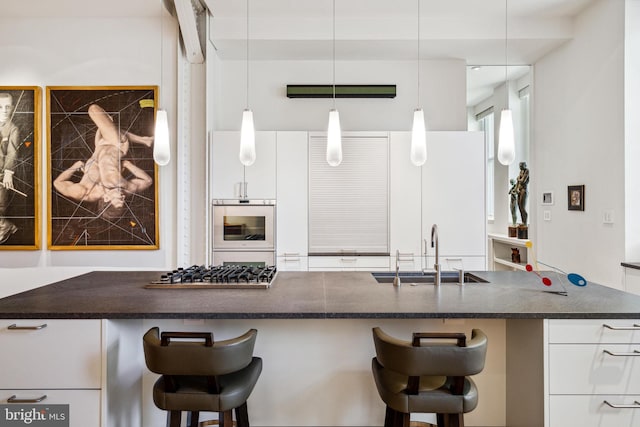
161 146
334 139
506 139
418 139
247 139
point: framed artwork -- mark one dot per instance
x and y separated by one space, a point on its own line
575 197
102 180
20 118
547 197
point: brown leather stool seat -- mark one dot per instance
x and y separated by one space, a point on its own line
200 375
412 377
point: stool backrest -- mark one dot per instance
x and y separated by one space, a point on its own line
447 359
180 357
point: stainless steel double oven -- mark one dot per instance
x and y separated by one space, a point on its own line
244 232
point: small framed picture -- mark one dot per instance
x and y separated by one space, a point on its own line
575 197
547 197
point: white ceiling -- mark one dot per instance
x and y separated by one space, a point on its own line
472 30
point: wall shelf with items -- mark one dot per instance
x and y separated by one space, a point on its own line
501 249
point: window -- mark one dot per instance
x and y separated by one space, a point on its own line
485 122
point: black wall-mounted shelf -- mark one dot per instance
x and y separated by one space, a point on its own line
342 91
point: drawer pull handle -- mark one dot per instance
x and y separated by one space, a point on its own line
15 327
634 353
635 405
348 259
289 259
15 399
635 327
286 254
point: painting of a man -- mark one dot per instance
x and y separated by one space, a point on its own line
18 171
103 188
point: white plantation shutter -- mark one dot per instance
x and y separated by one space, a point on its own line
349 204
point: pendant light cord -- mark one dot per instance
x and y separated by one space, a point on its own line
247 54
334 54
161 49
418 57
506 60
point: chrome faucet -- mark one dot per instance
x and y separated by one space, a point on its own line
434 244
396 279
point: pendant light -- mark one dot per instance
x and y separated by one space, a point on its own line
506 135
161 145
334 134
247 130
418 131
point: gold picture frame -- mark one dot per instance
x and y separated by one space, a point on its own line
102 180
20 119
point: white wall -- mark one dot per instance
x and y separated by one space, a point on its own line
632 129
578 138
442 94
88 51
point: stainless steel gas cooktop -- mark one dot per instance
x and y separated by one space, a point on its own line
221 277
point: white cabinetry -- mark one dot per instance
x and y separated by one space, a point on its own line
453 192
593 373
58 359
227 173
348 263
501 248
291 201
632 280
405 200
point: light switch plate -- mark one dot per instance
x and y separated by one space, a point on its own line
607 216
547 215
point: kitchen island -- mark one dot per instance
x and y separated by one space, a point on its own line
318 295
315 339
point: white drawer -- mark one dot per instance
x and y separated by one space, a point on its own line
349 262
594 331
84 405
591 411
62 354
587 369
291 262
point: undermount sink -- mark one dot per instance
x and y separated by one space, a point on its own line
425 277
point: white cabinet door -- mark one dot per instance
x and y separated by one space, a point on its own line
62 354
632 280
227 172
292 194
453 189
594 331
594 369
592 411
404 203
84 405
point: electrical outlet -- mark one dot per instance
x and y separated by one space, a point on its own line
547 215
607 216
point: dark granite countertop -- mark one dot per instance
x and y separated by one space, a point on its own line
303 295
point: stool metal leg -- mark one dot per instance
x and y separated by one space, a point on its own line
242 415
389 417
193 418
174 418
225 418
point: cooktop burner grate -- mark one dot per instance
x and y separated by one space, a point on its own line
222 276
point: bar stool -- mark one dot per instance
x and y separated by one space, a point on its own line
200 375
417 377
